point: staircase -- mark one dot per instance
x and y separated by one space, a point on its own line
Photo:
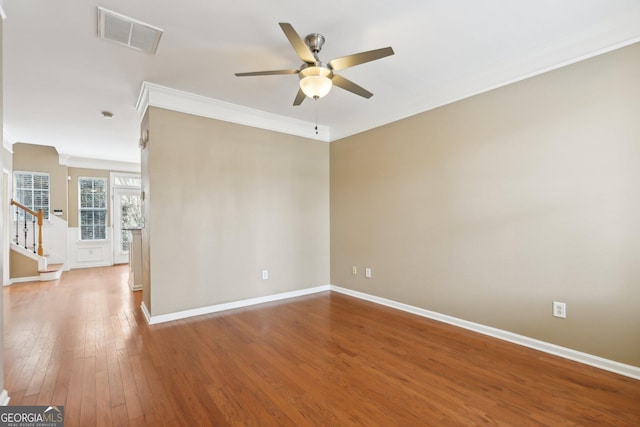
40 269
34 263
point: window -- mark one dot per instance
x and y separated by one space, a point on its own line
123 180
93 208
31 189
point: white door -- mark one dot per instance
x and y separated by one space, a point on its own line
127 214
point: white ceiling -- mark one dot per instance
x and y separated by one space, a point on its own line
58 76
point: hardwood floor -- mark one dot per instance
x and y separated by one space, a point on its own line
320 360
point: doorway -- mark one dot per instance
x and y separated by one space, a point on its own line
127 215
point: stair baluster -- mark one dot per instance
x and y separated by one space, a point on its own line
33 227
34 215
17 232
26 230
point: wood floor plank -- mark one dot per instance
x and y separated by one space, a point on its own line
88 400
120 416
116 388
142 386
45 396
324 359
103 400
28 368
29 400
63 379
73 402
165 406
132 399
39 372
16 398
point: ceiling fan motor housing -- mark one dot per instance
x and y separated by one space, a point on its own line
315 42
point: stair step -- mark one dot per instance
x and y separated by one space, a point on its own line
52 267
53 272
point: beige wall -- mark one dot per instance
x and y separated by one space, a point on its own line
22 266
226 201
491 208
40 158
76 173
144 172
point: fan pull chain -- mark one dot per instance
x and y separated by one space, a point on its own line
316 118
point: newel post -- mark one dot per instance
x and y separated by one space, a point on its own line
40 221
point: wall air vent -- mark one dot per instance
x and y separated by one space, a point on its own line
127 31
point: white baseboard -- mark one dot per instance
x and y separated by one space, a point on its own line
4 398
15 280
145 311
567 353
42 277
152 320
90 265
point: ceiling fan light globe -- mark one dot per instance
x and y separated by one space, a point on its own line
316 86
315 82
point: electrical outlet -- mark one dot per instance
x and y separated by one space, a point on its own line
559 309
265 274
367 273
354 270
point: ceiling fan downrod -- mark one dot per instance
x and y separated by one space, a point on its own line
315 42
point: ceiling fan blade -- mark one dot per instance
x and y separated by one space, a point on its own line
299 98
298 44
359 58
345 84
267 73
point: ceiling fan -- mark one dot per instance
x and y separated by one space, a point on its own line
317 77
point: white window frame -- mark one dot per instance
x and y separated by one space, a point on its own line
92 209
45 209
114 176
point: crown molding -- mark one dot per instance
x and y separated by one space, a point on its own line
172 99
86 163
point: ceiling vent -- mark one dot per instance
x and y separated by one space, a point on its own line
127 31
